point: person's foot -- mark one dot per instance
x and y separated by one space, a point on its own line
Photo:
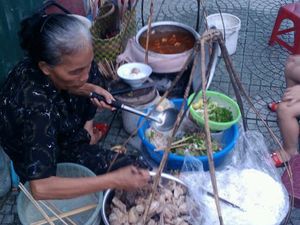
280 158
273 106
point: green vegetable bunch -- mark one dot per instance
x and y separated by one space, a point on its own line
195 144
215 112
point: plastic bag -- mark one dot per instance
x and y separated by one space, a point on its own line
249 180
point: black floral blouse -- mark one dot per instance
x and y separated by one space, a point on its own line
41 126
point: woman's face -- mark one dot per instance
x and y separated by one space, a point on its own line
73 70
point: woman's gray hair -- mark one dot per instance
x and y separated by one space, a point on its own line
49 38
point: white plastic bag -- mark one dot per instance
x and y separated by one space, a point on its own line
249 181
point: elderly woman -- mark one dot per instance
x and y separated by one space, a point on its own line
46 115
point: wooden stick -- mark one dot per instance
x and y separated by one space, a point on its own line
59 211
235 80
65 214
181 140
170 140
149 31
172 147
208 137
54 213
35 203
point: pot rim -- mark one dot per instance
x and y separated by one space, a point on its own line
107 193
163 23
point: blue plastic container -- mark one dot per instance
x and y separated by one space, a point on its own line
175 161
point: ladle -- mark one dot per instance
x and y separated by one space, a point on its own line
164 120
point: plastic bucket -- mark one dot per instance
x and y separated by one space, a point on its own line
232 25
228 139
28 214
130 120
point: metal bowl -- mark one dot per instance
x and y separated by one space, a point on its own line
172 25
110 193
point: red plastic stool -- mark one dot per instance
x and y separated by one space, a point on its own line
291 12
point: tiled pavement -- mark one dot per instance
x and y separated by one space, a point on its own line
260 68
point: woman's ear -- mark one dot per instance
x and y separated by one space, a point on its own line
44 67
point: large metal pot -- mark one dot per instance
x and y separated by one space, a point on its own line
110 193
159 61
170 25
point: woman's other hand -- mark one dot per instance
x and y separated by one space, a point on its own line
108 98
95 133
130 177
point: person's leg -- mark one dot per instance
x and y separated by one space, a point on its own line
292 70
292 77
289 128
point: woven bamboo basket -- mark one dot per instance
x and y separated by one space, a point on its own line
110 48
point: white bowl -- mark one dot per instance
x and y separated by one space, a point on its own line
134 74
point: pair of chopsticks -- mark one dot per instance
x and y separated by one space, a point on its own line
59 217
66 214
108 69
124 6
39 208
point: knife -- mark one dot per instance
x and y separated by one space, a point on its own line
223 200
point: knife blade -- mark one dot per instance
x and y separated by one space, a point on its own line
223 200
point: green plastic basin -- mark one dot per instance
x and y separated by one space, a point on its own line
223 101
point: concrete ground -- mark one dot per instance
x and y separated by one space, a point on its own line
259 66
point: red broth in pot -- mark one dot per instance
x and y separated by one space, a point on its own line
168 40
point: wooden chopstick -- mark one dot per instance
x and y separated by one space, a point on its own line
59 211
54 213
35 203
65 214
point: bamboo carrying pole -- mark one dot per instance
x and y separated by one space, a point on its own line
207 132
239 88
170 140
66 214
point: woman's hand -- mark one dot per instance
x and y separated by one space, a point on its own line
95 134
108 97
130 177
292 95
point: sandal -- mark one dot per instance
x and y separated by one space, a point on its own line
277 161
102 127
273 106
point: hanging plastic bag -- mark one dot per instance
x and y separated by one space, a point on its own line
249 181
